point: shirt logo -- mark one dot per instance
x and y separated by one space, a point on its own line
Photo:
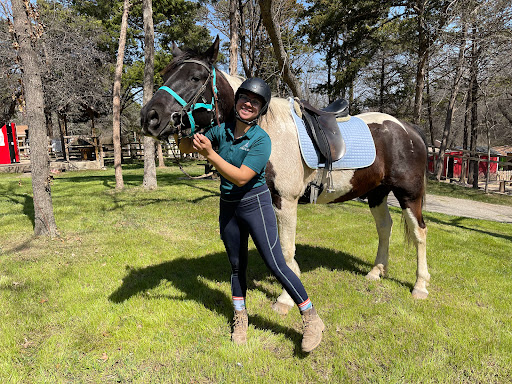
245 147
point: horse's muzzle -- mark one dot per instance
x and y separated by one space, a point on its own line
156 122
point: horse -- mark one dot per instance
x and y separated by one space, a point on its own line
399 167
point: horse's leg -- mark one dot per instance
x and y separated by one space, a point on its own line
384 223
286 214
417 232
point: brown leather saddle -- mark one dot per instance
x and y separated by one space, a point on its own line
323 129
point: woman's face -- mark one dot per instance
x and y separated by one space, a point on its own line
249 105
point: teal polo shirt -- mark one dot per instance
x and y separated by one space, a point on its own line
252 150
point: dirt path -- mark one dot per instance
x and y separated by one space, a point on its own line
465 208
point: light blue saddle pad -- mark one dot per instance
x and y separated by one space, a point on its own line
358 141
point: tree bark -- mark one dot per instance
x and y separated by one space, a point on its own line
160 154
474 164
422 59
233 37
116 135
277 44
382 80
44 220
150 181
429 109
465 164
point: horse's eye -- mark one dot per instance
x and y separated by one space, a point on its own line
195 79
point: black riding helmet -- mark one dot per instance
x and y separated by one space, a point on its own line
258 87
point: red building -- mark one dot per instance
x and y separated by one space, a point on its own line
9 145
452 166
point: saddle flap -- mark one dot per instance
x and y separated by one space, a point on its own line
325 133
329 126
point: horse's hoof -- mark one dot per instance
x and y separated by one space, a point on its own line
420 295
281 308
372 277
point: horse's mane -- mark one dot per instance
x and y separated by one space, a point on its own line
176 62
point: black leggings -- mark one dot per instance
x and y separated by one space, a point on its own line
253 214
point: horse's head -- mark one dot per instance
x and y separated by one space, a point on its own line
194 96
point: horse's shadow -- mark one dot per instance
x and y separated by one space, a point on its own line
191 277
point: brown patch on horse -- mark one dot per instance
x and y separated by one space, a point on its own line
270 175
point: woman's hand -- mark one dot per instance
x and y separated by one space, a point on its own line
202 144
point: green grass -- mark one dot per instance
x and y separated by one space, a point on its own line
136 290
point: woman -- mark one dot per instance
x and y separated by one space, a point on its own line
246 206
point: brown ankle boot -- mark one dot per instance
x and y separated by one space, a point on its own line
240 325
313 327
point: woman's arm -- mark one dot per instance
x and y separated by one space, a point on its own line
238 176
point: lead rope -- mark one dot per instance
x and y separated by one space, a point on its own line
186 173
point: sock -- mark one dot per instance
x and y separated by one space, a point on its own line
305 305
239 303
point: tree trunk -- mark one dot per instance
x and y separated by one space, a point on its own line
44 220
116 135
149 181
422 59
62 133
233 37
49 123
429 110
277 44
382 80
474 108
451 105
160 152
465 164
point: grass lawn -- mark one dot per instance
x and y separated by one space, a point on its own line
136 290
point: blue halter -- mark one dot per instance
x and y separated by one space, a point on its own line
192 105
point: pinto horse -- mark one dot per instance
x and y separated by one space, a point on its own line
196 95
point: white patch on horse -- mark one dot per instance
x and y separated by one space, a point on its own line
380 118
419 236
341 183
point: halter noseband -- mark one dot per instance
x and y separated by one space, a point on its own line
192 105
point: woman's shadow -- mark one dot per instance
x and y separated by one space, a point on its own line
189 275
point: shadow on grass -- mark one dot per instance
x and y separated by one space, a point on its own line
25 199
193 277
456 221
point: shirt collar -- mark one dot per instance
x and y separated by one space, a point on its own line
230 129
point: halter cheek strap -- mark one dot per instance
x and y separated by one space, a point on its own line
191 106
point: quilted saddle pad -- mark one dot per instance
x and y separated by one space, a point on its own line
358 141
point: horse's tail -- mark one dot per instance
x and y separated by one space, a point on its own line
423 136
408 231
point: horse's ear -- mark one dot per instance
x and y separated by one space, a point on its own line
213 52
176 51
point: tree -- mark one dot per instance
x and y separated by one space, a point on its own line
76 74
431 15
451 103
345 31
117 98
233 37
26 37
10 88
149 181
277 44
